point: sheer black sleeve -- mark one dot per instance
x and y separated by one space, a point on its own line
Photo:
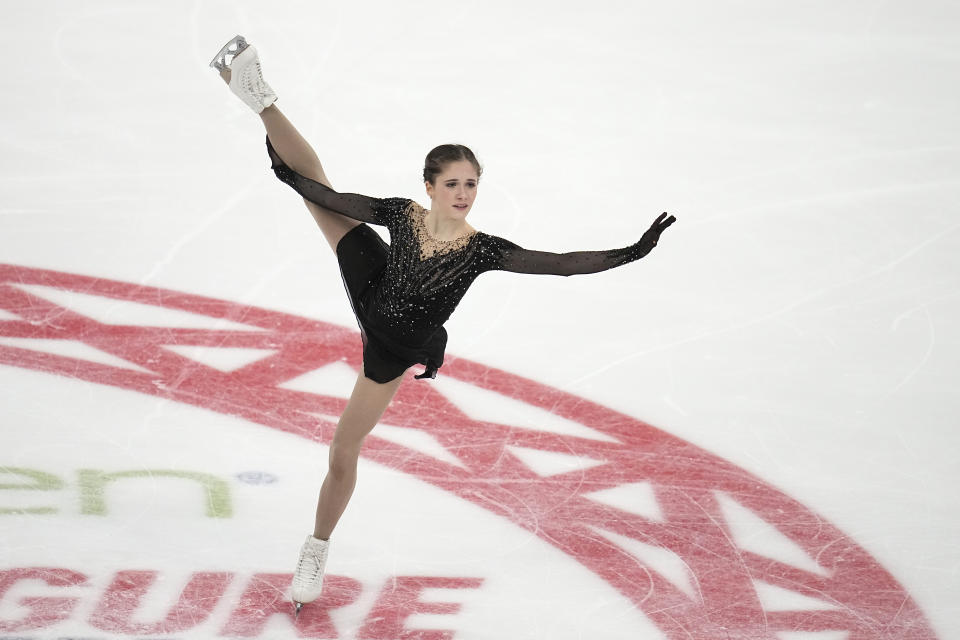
352 205
507 256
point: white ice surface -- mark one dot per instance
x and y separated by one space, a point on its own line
799 320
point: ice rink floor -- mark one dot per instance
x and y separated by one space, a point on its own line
749 434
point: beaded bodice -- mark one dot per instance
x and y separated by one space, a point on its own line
425 277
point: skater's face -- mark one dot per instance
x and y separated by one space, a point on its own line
454 190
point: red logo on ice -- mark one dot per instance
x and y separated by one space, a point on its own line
653 515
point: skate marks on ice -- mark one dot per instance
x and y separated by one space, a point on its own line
701 547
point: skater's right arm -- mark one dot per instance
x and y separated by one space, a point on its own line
352 205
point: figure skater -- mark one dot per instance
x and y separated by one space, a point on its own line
401 292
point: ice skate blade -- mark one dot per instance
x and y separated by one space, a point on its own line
233 48
296 609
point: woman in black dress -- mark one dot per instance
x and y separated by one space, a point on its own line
401 292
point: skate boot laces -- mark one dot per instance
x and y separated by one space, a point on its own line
308 578
246 80
310 566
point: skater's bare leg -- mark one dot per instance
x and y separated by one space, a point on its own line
297 154
292 148
367 403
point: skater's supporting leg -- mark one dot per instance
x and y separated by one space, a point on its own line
367 403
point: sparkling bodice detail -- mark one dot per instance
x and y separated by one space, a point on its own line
430 246
424 278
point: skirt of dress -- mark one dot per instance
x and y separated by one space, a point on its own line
362 255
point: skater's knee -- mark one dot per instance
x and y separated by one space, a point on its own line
343 459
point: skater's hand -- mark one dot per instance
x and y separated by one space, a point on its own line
650 238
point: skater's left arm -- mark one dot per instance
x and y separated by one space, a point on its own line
512 257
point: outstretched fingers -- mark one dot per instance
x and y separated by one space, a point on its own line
663 221
652 235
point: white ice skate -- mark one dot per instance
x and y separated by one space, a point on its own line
308 578
246 75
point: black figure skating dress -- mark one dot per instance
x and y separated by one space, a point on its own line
403 292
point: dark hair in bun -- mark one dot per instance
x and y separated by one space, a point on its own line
440 157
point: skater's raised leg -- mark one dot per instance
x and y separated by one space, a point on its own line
297 154
239 57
